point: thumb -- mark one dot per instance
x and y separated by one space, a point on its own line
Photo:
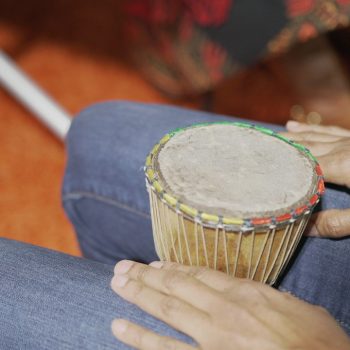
334 223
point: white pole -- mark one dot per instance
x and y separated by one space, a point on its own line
17 83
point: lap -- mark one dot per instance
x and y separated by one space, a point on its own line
105 196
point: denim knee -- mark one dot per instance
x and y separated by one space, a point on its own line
104 192
100 156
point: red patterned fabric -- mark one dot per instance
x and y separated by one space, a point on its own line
173 49
299 7
208 12
203 12
309 18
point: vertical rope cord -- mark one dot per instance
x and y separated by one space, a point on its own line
225 250
238 248
268 254
267 235
170 223
164 230
204 245
251 253
159 226
186 240
216 247
179 238
196 240
154 222
277 254
302 225
286 251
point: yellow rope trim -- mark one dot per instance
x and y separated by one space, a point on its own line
170 200
232 221
165 139
151 174
188 210
157 186
148 161
155 149
210 217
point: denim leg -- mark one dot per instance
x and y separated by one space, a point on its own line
104 196
50 300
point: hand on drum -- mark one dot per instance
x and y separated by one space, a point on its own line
331 146
218 311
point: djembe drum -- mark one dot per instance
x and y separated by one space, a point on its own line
231 196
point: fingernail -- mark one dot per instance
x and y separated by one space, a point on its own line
292 124
123 266
121 280
157 264
119 326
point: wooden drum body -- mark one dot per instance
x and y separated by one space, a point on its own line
250 245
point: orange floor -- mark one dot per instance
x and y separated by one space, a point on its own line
64 54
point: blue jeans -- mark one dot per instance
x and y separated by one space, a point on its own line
50 300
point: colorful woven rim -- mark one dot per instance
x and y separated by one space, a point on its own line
214 220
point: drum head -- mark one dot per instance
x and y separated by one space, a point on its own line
235 170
